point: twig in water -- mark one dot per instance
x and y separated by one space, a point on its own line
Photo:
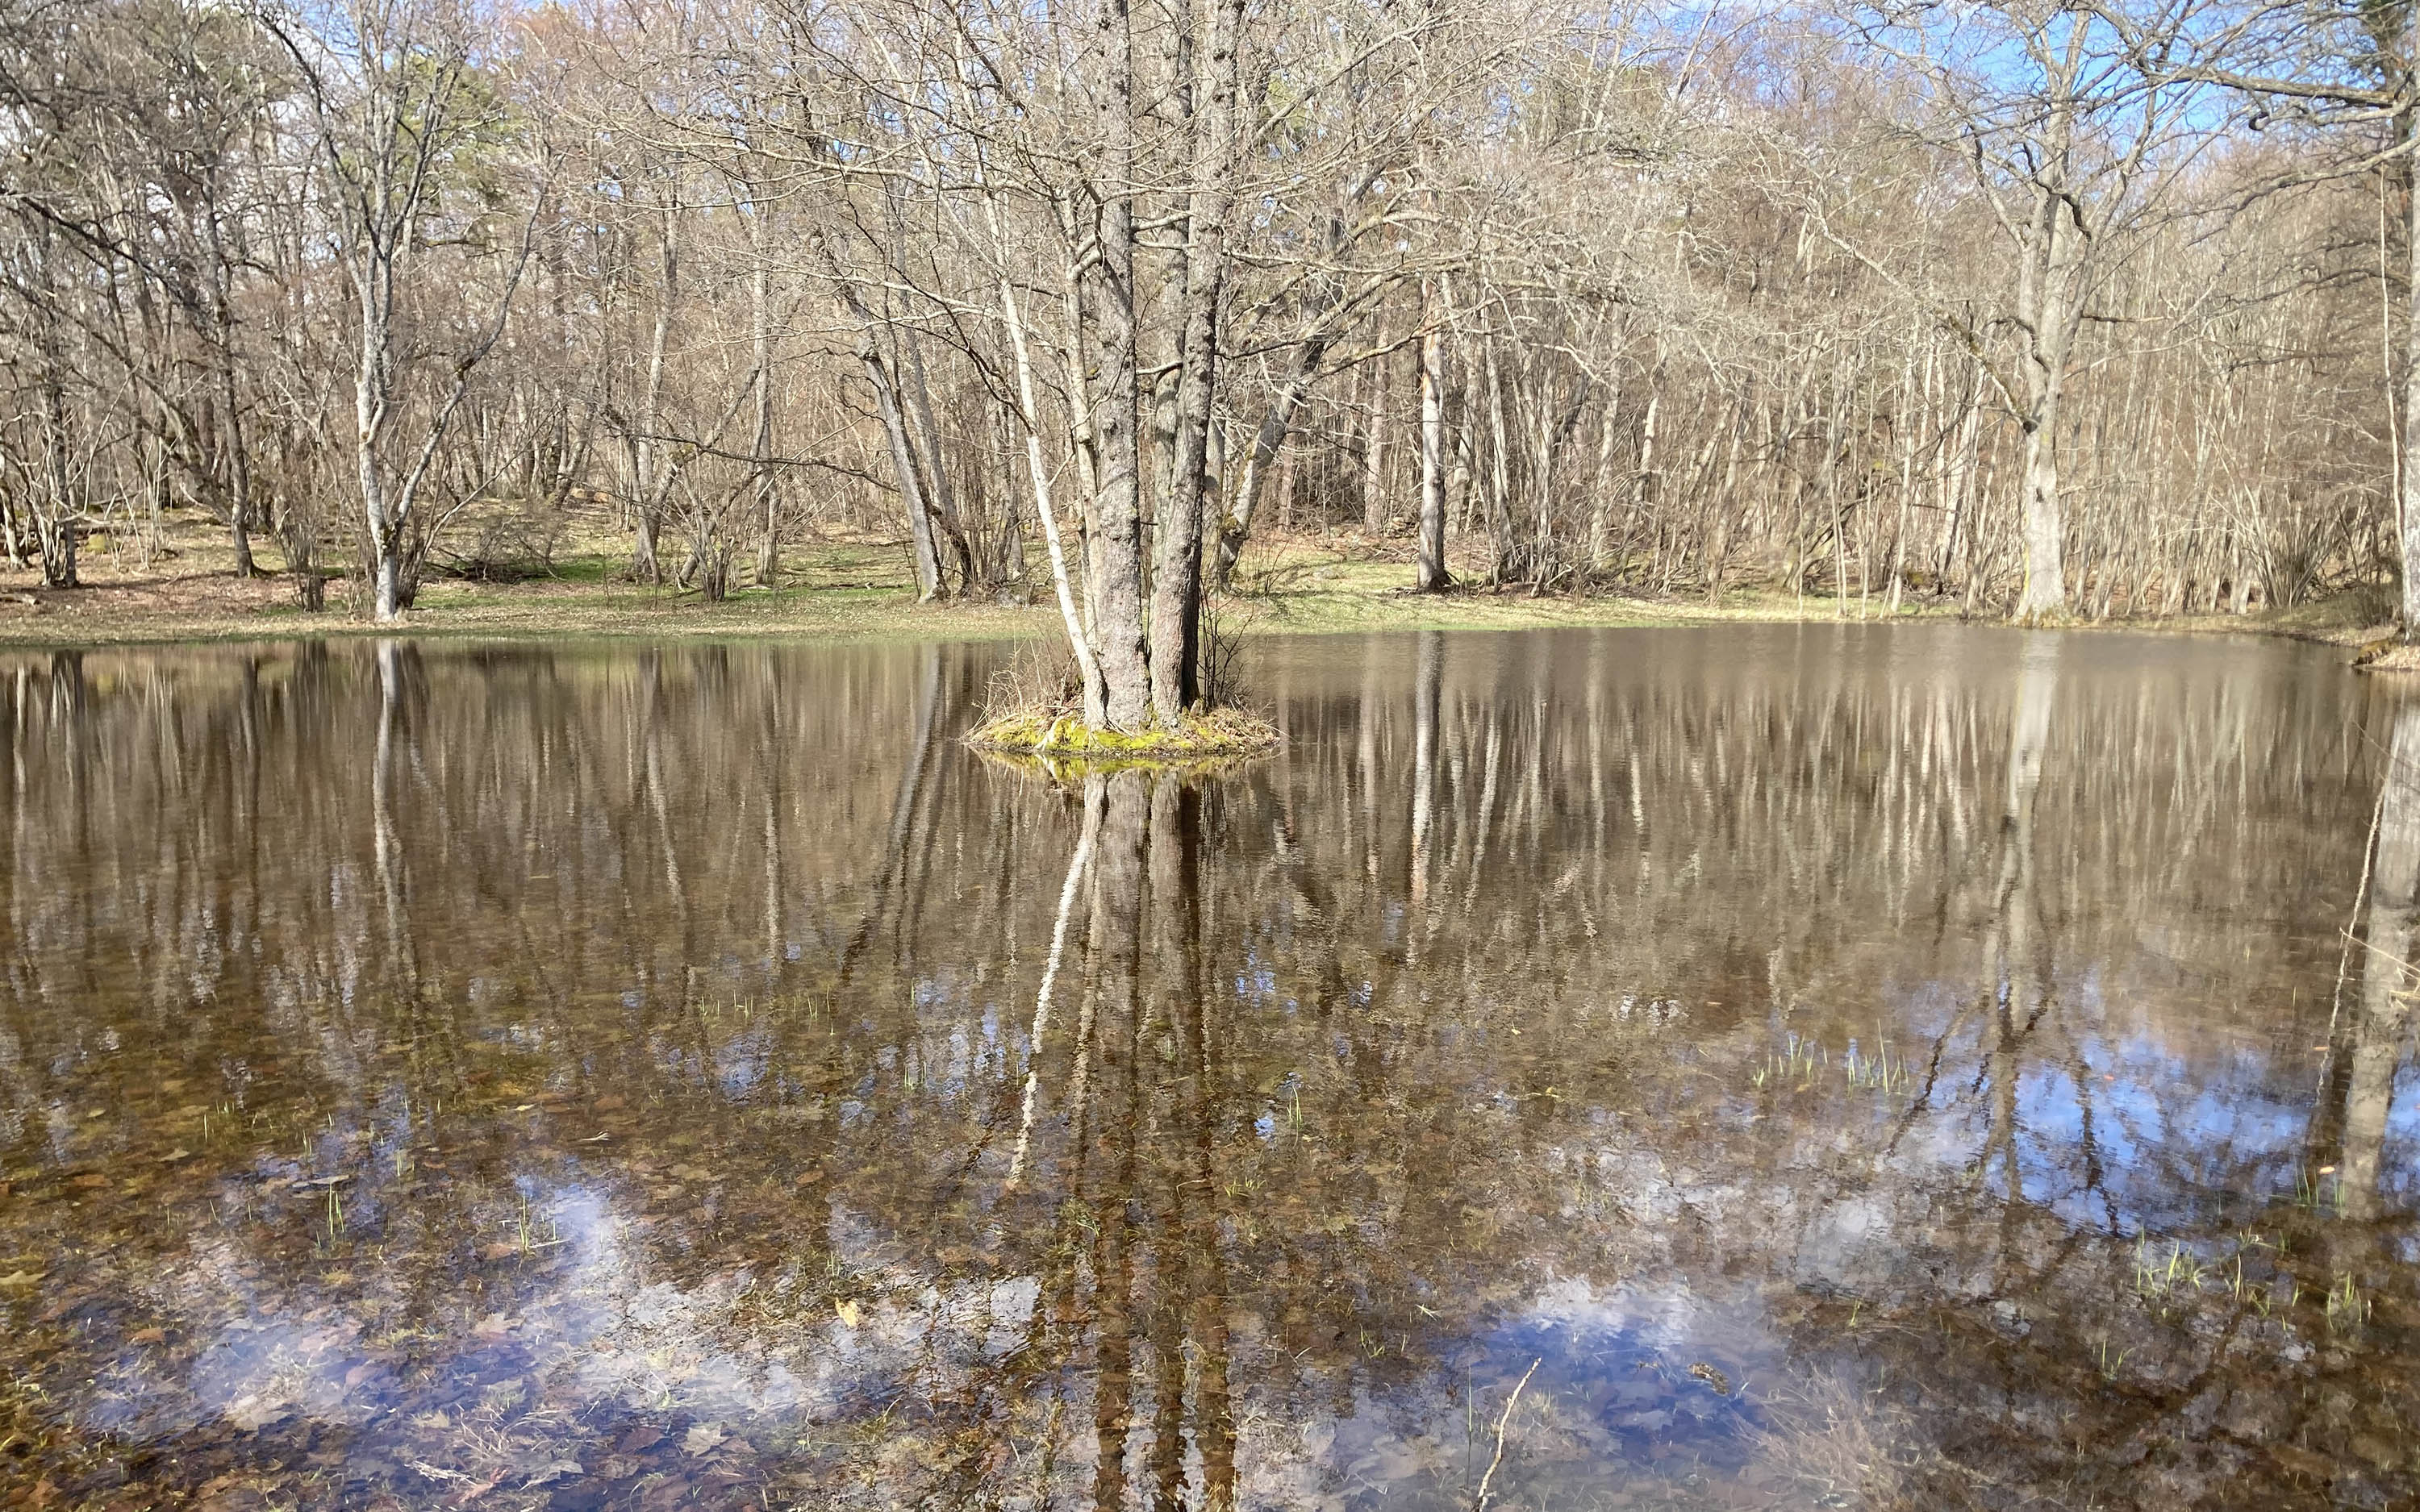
1510 1402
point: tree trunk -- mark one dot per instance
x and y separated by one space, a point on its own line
57 525
1176 586
2409 523
1029 414
2046 587
1600 490
1373 446
2050 295
760 292
239 476
944 496
646 460
12 543
1432 574
1503 552
1906 425
903 463
1643 490
230 422
369 424
1114 559
1267 441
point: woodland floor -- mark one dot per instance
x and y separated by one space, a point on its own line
859 588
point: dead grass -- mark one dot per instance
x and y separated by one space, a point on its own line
2346 620
1839 1444
847 589
859 588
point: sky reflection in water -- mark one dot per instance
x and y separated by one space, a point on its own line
1835 1066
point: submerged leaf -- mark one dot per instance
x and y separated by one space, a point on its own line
559 1470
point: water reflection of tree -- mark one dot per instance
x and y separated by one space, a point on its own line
2021 988
2369 1037
755 919
2111 914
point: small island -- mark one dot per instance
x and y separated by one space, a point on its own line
1061 735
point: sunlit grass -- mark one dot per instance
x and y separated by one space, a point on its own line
862 587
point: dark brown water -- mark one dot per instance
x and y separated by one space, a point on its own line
1831 1068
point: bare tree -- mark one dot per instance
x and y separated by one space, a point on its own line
399 102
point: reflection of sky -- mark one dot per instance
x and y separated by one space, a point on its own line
639 1311
1611 1394
2155 1128
593 1325
1661 1319
606 1329
2169 1129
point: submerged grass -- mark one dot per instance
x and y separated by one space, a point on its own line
2346 1308
1801 1063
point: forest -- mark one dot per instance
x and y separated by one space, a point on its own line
2041 309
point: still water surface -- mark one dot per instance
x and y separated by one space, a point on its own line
1816 1067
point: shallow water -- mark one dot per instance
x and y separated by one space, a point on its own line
1816 1067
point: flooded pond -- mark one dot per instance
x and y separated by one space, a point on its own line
1757 1067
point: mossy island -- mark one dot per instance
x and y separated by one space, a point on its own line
1154 689
1060 734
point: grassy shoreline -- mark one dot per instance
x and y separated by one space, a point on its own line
858 591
